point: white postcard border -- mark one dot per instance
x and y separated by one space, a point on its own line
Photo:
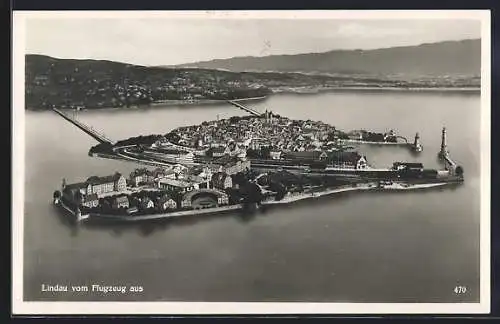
20 307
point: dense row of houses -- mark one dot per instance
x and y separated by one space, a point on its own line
338 159
283 139
209 182
279 134
88 193
253 132
180 178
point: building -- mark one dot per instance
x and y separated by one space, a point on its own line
230 148
197 181
337 159
186 158
88 193
147 203
179 168
216 151
275 155
355 135
176 185
299 138
221 180
348 160
257 143
269 117
166 203
205 198
304 156
70 191
232 165
169 174
141 176
407 166
120 202
91 201
102 185
203 172
160 173
223 199
408 169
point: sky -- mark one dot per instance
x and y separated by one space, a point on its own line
161 41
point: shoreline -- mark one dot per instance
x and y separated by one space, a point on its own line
203 101
157 104
288 199
319 90
278 91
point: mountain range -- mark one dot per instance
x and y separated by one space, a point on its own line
63 83
431 59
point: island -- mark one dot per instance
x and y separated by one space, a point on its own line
267 139
246 162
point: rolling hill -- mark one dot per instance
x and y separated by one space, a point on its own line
433 59
87 84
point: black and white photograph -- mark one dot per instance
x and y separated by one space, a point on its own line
251 162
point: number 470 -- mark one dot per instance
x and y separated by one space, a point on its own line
460 289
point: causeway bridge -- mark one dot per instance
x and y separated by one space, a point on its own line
101 138
248 110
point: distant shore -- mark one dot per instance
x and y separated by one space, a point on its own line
317 90
283 90
165 103
203 101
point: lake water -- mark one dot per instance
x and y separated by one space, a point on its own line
357 247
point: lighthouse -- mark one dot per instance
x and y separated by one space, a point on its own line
444 147
417 146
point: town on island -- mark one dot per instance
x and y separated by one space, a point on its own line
243 162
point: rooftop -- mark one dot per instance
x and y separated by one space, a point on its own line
106 179
176 183
121 199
